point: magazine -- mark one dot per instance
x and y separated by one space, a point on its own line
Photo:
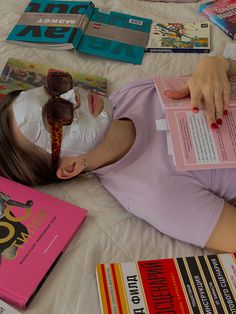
191 142
21 74
187 285
7 309
179 37
80 26
35 229
221 13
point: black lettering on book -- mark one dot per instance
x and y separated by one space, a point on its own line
56 8
34 30
100 44
222 282
199 285
211 284
188 286
50 32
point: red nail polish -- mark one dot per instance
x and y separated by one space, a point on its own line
214 126
225 112
195 109
219 121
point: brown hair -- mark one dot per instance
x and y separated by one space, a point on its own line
25 165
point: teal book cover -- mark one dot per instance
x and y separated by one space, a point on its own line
115 35
78 25
48 22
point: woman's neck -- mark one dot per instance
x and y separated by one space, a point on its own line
117 142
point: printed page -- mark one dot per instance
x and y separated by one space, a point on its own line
7 309
196 146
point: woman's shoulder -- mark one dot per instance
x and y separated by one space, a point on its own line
133 86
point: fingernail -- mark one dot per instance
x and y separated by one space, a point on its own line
225 113
195 109
219 121
214 126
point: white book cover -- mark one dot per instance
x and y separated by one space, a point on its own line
7 309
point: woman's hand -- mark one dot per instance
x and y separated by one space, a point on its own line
209 83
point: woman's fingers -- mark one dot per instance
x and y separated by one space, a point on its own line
178 94
210 111
226 95
219 106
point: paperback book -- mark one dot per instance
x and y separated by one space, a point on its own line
7 309
35 229
80 26
221 13
196 284
190 140
179 37
21 74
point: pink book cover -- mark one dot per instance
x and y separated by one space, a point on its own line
35 229
194 144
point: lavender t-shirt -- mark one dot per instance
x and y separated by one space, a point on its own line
185 205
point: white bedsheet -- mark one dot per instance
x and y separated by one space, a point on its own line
110 233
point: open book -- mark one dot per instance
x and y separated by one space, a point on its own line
191 142
187 285
79 25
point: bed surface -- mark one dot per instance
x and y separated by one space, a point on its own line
110 233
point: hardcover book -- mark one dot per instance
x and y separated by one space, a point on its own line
222 13
21 74
35 229
80 26
197 284
179 37
190 140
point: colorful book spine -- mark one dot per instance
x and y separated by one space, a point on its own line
200 284
222 14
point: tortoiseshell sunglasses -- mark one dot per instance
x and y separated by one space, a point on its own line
58 111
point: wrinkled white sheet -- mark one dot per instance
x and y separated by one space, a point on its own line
110 234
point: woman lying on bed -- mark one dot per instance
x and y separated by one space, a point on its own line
121 146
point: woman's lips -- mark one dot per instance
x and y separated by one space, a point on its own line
95 103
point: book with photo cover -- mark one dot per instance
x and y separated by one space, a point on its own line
221 13
35 229
191 142
187 285
22 74
80 26
179 37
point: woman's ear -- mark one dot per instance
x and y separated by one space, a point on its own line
70 168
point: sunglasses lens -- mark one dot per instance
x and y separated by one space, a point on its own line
59 82
59 111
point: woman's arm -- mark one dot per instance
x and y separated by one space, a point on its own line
223 237
209 82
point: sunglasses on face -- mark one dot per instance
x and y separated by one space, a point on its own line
59 112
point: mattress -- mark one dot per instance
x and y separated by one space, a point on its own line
110 233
